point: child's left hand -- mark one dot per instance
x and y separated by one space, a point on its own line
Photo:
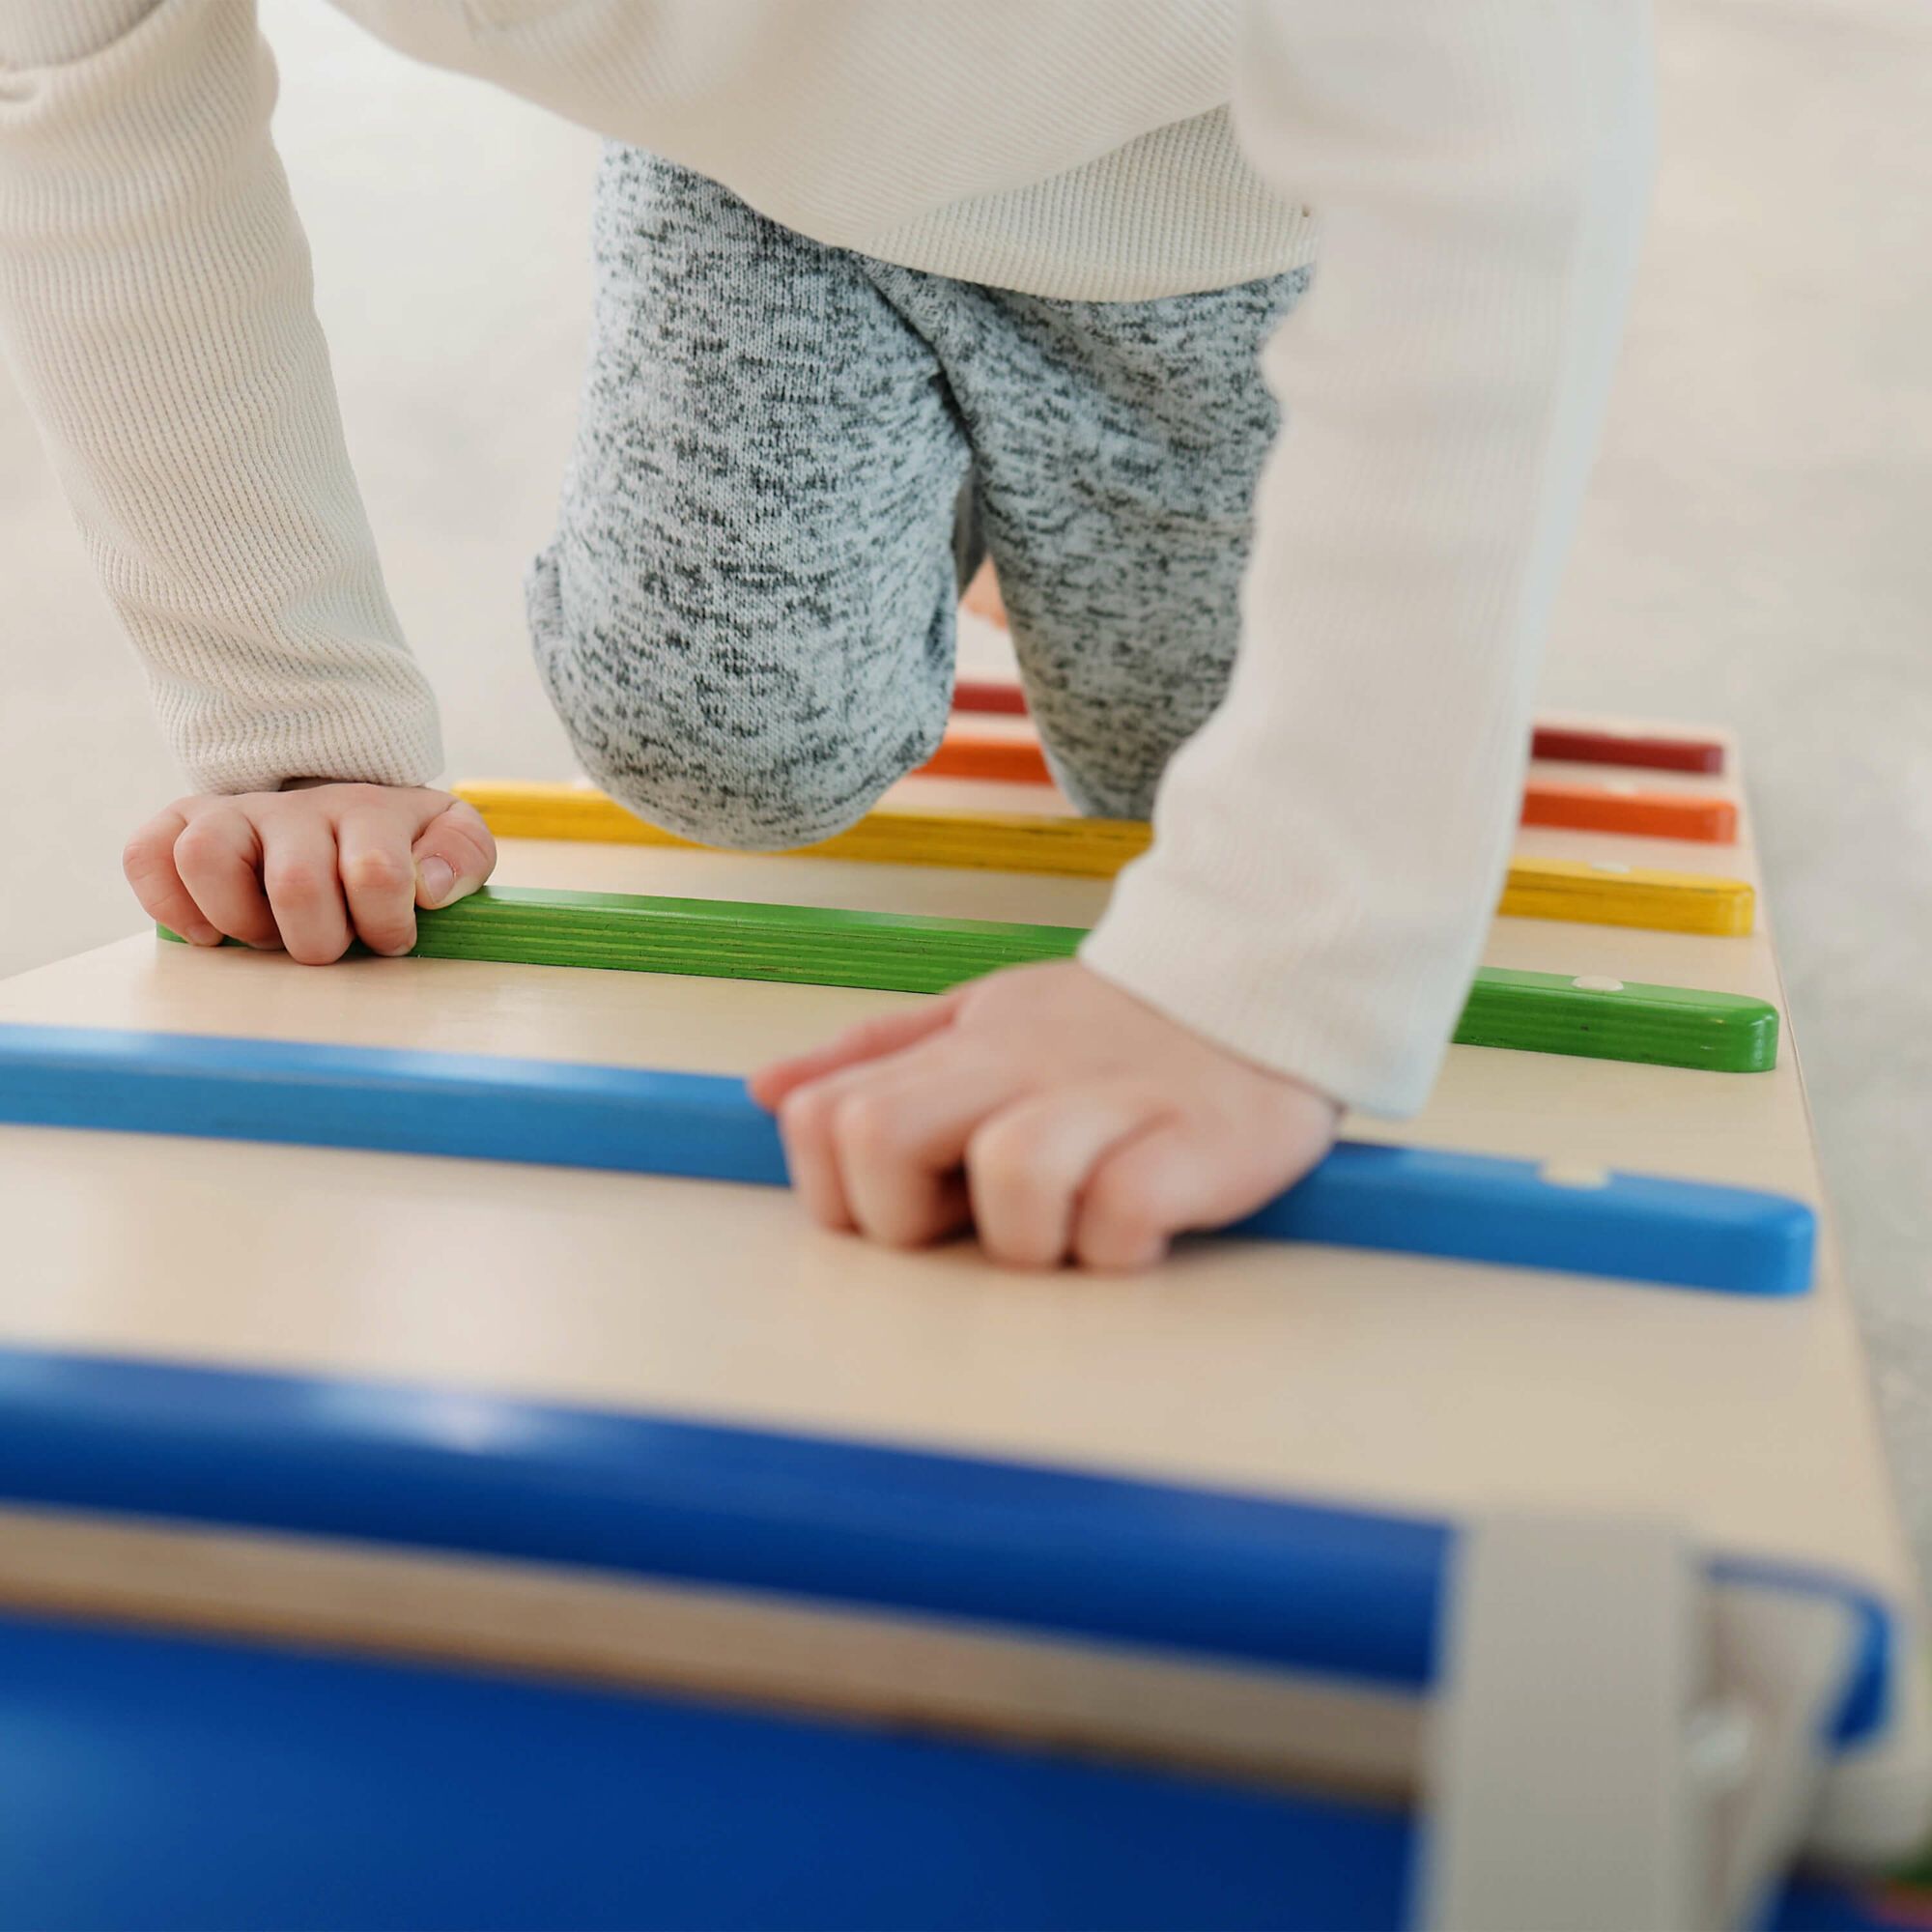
1062 1117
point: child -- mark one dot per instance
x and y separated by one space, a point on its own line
851 257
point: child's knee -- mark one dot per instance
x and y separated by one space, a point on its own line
707 742
717 788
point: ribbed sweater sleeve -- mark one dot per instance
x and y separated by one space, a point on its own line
156 300
1329 848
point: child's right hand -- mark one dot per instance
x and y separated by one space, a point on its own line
309 868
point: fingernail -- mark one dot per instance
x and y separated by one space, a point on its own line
436 880
202 935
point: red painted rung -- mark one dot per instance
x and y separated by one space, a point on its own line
1549 741
986 694
1622 748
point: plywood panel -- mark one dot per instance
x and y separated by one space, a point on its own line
1365 1377
1407 1380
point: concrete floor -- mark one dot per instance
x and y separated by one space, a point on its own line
1759 550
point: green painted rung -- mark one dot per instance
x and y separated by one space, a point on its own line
728 939
912 952
1665 1026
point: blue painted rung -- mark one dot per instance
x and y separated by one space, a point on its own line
705 1126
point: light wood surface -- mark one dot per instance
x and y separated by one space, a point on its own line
1365 1376
1114 1700
1303 1370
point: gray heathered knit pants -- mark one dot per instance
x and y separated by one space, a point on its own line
746 619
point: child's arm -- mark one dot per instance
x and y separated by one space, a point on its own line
1331 846
155 298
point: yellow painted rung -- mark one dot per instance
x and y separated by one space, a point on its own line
1084 848
1603 895
1096 848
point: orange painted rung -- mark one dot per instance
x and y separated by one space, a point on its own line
965 755
1575 807
1648 814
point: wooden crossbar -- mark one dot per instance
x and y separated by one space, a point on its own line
1560 889
1596 745
1083 848
1580 808
1643 814
704 1126
911 952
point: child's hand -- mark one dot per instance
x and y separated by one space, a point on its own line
1088 1127
310 868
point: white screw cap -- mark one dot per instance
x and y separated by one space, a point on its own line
1572 1173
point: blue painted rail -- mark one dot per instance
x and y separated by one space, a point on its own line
705 1126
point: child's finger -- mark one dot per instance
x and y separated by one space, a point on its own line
811 1160
839 1132
149 863
379 879
453 855
1136 1203
1183 1175
300 873
217 856
899 1134
871 1040
1026 1166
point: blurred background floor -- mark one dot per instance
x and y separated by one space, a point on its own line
1757 550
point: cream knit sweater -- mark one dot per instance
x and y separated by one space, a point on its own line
1329 846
